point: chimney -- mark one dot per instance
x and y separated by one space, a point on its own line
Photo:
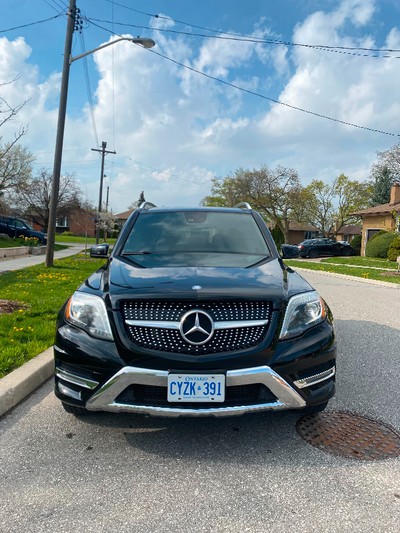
395 194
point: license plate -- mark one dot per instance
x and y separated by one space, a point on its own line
196 388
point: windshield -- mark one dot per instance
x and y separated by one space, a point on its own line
195 238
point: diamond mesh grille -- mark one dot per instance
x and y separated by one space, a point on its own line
223 340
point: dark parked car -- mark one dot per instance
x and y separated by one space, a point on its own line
289 251
321 247
15 227
194 314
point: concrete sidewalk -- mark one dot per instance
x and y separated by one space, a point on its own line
16 263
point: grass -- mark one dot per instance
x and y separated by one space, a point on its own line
361 261
41 291
75 238
364 271
14 243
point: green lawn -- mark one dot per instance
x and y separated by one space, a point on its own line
13 243
41 292
365 271
74 238
361 261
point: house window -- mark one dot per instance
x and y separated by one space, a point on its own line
370 233
62 222
309 235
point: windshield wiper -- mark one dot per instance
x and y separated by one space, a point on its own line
136 253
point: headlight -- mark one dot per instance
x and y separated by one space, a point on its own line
89 312
303 312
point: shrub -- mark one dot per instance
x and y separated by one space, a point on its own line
356 244
394 249
68 234
278 236
378 245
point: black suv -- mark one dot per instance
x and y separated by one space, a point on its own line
16 227
194 314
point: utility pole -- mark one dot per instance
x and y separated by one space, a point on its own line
103 152
51 228
108 192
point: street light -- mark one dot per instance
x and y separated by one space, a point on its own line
68 59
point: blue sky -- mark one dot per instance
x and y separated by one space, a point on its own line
174 129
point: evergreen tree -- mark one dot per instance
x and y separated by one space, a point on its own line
382 186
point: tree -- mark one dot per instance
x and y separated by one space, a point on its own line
106 222
391 159
135 205
351 196
315 206
273 192
327 207
382 186
15 162
15 166
33 197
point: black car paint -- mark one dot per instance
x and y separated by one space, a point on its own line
120 278
323 247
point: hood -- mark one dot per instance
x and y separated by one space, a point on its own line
272 281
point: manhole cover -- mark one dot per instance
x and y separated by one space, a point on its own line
349 435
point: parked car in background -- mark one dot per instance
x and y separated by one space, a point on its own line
289 251
17 227
194 314
324 247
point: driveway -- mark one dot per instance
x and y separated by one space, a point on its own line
123 473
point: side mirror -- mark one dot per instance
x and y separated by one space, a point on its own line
99 250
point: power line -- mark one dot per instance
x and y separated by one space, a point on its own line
269 41
88 89
247 39
32 23
259 95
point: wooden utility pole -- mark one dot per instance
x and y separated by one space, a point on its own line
51 228
103 152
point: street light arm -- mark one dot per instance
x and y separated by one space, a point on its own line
145 42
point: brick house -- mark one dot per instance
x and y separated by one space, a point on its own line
384 216
347 233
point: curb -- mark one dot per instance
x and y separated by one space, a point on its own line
386 284
24 380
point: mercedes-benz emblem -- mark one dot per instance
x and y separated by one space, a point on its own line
196 327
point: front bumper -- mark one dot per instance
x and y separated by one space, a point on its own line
107 397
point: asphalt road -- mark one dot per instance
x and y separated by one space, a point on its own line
138 474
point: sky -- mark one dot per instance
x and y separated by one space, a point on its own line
266 99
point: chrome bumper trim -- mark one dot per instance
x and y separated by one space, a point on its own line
104 398
168 324
316 378
69 392
86 383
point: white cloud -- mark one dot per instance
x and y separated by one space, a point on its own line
174 130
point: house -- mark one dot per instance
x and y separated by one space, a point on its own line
78 221
384 216
123 217
298 232
346 233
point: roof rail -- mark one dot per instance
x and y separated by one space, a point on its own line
146 205
244 205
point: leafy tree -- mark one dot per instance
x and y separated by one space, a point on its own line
33 197
350 196
15 166
315 206
135 205
106 222
382 186
273 192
